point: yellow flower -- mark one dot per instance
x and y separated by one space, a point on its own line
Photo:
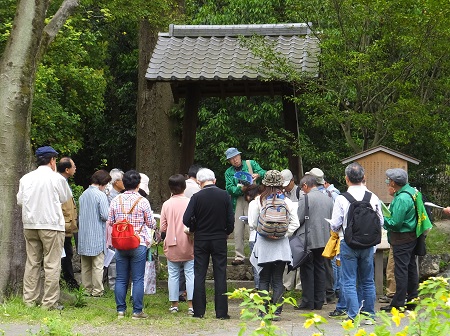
317 318
396 316
242 311
263 324
372 334
347 324
308 323
361 332
412 314
317 334
404 332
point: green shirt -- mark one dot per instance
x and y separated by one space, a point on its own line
403 213
231 183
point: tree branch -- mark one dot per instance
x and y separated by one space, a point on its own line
56 23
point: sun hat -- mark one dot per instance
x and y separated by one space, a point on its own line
231 152
287 177
273 178
144 183
318 174
397 175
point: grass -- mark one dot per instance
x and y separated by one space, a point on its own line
101 312
438 241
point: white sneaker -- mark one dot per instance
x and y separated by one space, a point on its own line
190 311
173 309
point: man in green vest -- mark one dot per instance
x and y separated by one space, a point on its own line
234 188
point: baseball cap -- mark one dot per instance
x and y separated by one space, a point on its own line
287 176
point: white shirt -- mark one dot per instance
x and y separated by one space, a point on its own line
41 193
341 206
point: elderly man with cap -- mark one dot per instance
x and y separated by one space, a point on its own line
329 278
289 186
41 194
401 227
234 188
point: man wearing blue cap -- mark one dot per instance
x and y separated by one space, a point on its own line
41 193
234 188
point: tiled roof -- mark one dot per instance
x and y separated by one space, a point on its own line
214 53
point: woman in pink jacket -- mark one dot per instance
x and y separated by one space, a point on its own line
178 245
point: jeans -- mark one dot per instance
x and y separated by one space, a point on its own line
255 272
358 270
272 274
130 261
336 275
173 283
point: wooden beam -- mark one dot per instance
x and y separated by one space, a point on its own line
290 124
189 127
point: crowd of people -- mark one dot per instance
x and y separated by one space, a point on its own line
195 224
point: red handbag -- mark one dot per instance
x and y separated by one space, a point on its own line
123 236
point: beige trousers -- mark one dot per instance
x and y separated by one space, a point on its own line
292 279
239 227
92 273
42 246
390 277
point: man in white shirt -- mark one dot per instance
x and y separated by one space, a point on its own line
357 264
41 193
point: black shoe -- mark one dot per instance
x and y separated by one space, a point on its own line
388 308
303 307
226 317
197 316
337 314
410 306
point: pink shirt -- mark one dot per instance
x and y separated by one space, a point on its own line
177 245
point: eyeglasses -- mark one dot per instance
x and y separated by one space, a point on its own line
388 180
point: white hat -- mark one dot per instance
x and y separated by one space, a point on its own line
144 183
318 174
287 177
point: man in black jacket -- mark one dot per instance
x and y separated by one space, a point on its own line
210 216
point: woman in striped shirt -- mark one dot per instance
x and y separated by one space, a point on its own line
91 235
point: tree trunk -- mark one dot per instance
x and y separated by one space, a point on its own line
157 148
18 66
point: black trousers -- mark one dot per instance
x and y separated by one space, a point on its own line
217 250
312 274
406 277
66 265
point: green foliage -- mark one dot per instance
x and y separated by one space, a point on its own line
257 306
430 317
80 297
70 84
53 327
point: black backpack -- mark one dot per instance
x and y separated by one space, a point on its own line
363 224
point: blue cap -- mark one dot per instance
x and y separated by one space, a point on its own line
231 152
45 150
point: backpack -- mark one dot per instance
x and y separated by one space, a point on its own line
123 236
363 224
273 220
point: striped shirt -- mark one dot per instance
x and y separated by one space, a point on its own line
141 216
92 218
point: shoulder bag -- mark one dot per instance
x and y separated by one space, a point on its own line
299 247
